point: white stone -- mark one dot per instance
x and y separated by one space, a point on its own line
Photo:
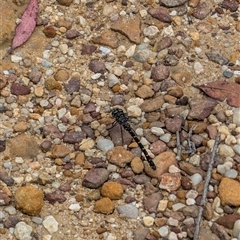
143 13
130 52
61 112
166 137
190 201
172 222
50 224
157 131
196 179
236 229
236 149
63 48
162 206
104 144
150 31
210 143
192 194
117 71
230 139
198 68
167 31
75 207
10 209
172 236
195 160
223 130
23 231
221 168
216 203
16 59
178 206
19 160
236 116
134 111
173 169
225 150
148 221
163 231
231 173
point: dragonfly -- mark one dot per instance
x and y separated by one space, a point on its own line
122 119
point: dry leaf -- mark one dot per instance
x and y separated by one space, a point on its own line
222 90
25 28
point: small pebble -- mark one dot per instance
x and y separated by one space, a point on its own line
50 224
129 210
227 74
196 179
176 207
231 173
236 149
166 137
236 116
104 144
163 231
148 221
236 229
75 207
22 231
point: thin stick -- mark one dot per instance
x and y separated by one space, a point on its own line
178 147
207 180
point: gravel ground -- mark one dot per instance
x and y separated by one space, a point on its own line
68 172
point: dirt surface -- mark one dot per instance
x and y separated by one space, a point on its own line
83 59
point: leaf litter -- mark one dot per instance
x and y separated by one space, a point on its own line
26 27
221 90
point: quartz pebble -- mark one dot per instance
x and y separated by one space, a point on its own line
236 229
23 231
50 224
196 179
104 144
163 231
236 116
148 221
231 173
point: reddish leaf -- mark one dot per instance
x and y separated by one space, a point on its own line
222 90
25 28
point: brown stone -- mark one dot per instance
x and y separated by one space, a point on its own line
23 146
104 205
20 127
130 27
175 91
170 181
119 156
61 75
163 161
228 220
3 81
49 32
229 190
29 200
60 150
112 190
152 104
145 92
52 84
108 38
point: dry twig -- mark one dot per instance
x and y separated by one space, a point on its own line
207 180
